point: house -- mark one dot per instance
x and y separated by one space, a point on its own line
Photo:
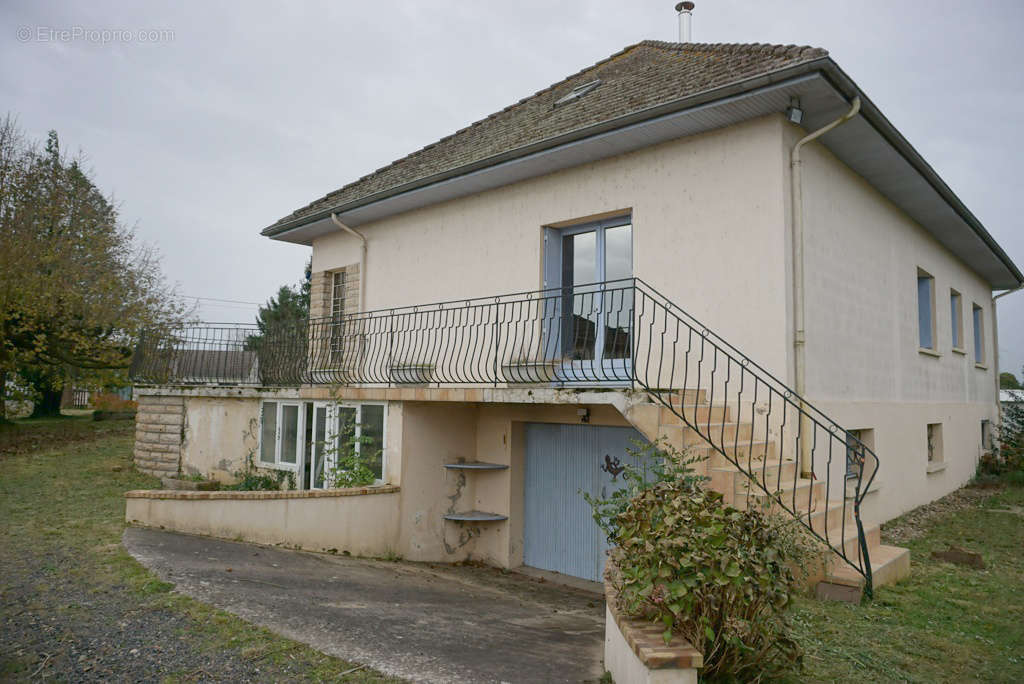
728 247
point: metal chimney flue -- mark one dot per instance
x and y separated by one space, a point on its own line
685 10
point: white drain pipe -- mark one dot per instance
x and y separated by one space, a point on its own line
799 334
362 260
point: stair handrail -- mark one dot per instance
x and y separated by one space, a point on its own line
861 563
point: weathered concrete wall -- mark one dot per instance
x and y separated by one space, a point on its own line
219 434
159 425
363 522
434 434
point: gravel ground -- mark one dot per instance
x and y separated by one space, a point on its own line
917 522
55 626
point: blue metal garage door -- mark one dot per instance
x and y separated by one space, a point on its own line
561 462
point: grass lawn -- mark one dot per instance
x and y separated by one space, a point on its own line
944 623
76 606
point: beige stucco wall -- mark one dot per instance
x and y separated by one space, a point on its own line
434 434
708 227
364 525
864 368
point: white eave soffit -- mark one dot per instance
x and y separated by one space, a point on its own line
857 143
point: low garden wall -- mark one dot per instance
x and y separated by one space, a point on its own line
362 521
635 653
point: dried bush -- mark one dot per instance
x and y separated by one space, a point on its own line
108 401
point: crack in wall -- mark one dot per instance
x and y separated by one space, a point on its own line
466 534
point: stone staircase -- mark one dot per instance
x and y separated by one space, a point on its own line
750 468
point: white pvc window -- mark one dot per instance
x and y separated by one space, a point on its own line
925 310
956 316
340 427
979 334
282 428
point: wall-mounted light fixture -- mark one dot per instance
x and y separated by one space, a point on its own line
793 111
584 414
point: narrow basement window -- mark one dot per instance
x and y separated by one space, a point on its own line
857 443
935 444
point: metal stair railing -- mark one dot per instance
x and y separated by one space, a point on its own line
675 350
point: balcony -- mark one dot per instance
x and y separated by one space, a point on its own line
576 336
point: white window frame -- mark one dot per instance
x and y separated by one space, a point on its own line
956 307
334 423
300 436
933 347
978 331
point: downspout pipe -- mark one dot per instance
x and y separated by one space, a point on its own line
995 344
799 335
362 259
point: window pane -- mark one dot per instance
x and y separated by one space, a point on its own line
289 433
344 439
924 310
269 432
954 305
618 299
319 437
579 267
372 442
979 351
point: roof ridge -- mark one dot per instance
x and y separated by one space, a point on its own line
776 48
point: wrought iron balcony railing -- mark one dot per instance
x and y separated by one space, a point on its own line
619 333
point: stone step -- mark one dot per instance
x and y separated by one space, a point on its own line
682 437
889 564
747 451
830 516
803 495
847 540
726 478
688 396
694 413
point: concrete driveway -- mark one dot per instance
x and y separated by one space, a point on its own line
422 622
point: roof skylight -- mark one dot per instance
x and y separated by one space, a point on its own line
578 92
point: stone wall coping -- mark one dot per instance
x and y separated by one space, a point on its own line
644 637
257 496
621 398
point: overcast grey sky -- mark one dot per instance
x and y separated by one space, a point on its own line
240 112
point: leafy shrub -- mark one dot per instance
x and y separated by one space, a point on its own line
721 578
1005 461
351 458
253 479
